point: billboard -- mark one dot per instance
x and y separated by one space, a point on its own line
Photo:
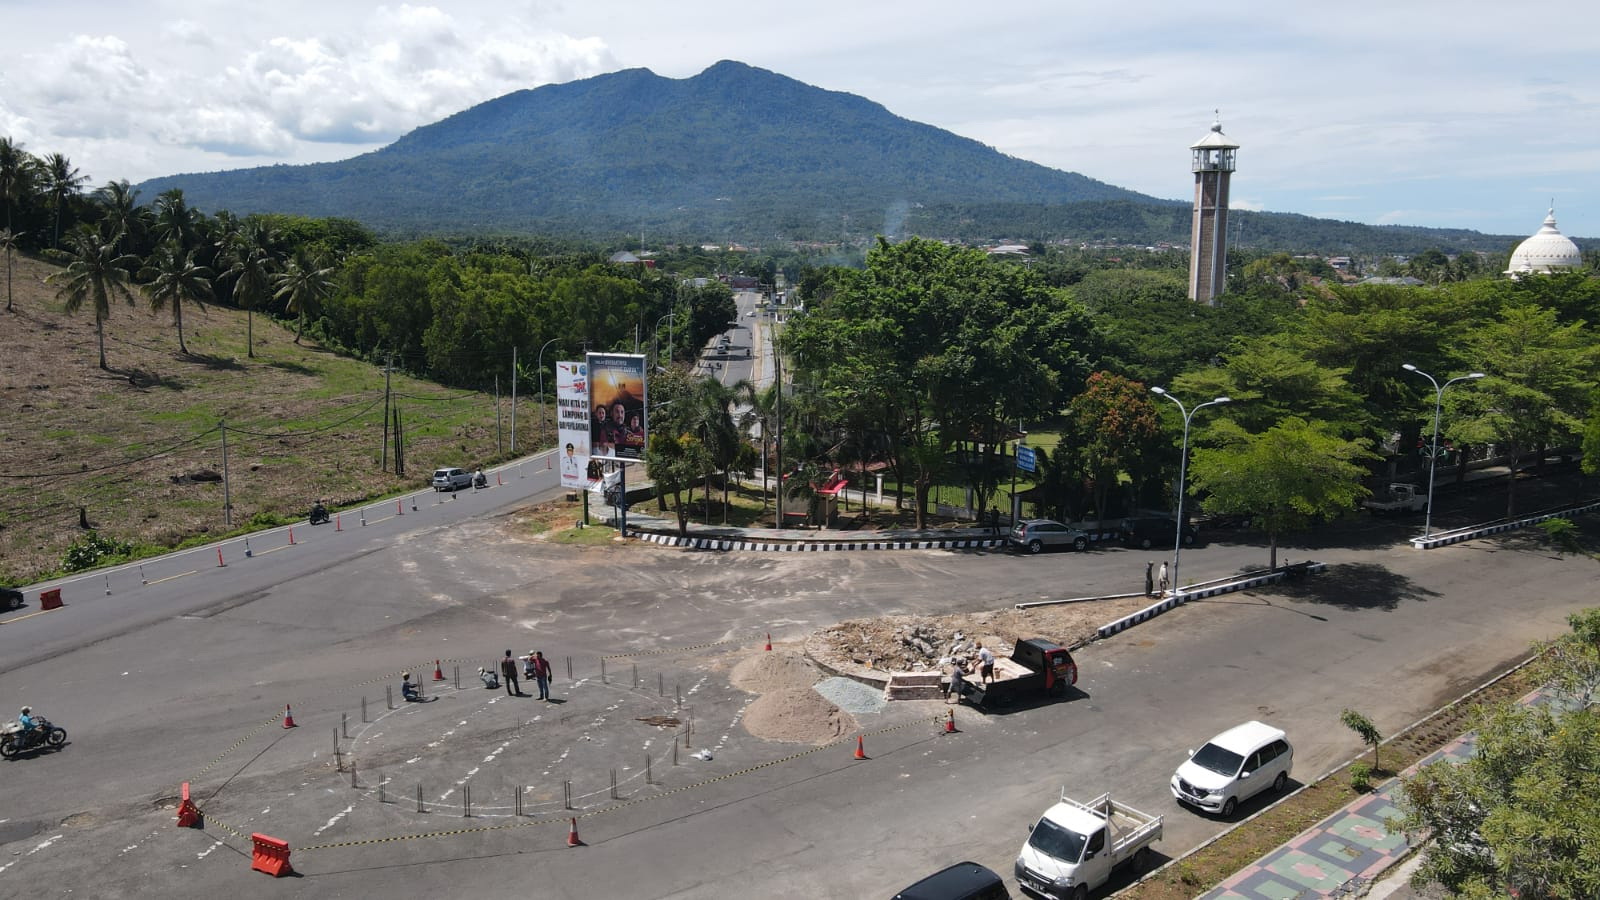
572 422
616 406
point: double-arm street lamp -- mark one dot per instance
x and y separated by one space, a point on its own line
655 338
1183 471
541 382
1433 454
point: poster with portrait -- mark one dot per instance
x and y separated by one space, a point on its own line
572 422
616 406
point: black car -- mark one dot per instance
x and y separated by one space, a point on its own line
962 881
1145 532
10 598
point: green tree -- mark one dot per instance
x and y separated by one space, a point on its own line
17 171
251 257
1521 816
1287 477
63 182
8 242
1120 426
302 285
172 279
1364 729
119 203
1540 376
1269 382
95 273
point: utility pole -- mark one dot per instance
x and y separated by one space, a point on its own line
499 437
513 401
777 374
227 497
388 365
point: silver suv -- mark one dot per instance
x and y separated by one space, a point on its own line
451 479
1035 535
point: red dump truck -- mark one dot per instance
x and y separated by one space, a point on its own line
1036 667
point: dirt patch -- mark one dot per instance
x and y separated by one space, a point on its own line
874 647
788 708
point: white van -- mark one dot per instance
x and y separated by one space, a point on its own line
1233 766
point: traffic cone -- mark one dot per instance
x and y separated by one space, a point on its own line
288 717
769 640
338 523
950 721
438 673
399 508
497 481
291 535
572 835
861 748
220 563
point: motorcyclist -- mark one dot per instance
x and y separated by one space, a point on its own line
25 719
319 513
479 479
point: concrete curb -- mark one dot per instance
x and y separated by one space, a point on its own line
1223 587
1445 538
812 546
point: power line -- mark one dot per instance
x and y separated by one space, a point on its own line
116 465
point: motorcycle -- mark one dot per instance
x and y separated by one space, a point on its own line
480 480
16 740
318 515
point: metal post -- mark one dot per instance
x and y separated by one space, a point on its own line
661 685
674 749
456 670
602 670
381 782
513 401
338 760
541 383
344 725
420 807
1433 455
466 801
1183 469
388 696
518 801
636 676
614 785
227 497
363 708
353 782
566 795
648 778
569 668
677 691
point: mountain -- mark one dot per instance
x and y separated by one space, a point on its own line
733 150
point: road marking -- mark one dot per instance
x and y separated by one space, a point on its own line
274 549
376 521
28 616
170 577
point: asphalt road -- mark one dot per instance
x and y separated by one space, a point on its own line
186 679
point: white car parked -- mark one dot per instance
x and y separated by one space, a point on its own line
451 479
1234 766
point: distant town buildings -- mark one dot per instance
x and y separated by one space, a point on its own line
1212 159
1547 251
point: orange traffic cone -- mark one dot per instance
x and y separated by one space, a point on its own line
288 717
950 721
338 523
572 835
399 508
220 563
769 640
497 480
438 673
291 534
861 748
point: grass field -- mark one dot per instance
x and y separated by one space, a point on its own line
124 444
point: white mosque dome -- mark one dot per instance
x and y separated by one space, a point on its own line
1547 251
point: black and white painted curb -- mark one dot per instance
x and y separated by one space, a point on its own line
1209 590
1445 538
805 546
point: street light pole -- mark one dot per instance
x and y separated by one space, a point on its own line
655 338
1183 472
1433 453
541 383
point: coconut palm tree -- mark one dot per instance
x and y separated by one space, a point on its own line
62 181
120 203
17 171
251 255
172 277
303 285
175 221
95 273
8 242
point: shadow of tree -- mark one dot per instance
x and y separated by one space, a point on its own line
1353 586
144 379
296 368
224 363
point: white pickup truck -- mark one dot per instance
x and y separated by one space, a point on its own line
1074 846
1400 498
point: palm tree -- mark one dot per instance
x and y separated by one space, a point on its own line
763 414
175 221
8 241
303 285
122 211
96 273
17 169
171 276
710 417
62 181
252 259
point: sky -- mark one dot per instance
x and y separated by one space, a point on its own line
1463 114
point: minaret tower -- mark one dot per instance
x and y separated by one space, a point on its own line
1212 161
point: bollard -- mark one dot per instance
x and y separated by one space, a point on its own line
614 785
363 708
602 670
685 738
381 782
419 798
519 801
247 551
142 579
363 517
108 584
466 801
344 725
456 669
635 674
338 760
422 689
661 685
674 749
566 795
353 782
688 724
399 508
677 691
569 668
648 778
388 696
413 502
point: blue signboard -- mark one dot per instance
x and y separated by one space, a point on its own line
1025 460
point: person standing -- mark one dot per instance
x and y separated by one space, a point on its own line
541 674
1149 578
958 680
508 674
994 520
1162 577
985 665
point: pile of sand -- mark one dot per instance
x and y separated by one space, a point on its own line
797 714
788 708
